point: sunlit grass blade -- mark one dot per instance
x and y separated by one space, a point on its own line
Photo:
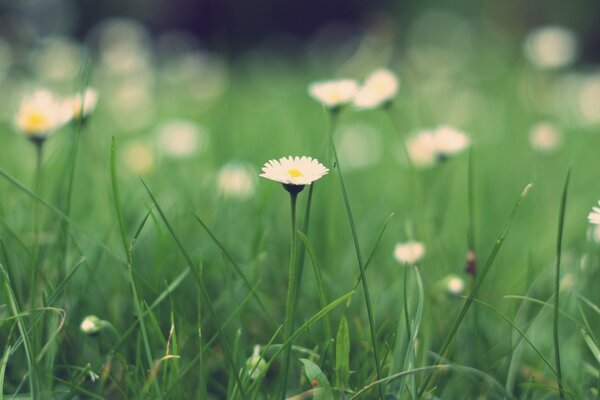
477 284
561 223
237 270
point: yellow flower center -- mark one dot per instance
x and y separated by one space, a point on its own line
36 122
294 173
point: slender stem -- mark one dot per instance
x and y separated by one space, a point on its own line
561 222
292 294
37 188
358 253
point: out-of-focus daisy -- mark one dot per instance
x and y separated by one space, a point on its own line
57 58
594 216
409 252
83 104
181 138
139 158
449 141
551 47
425 148
236 180
379 89
544 137
294 172
421 149
40 114
454 285
91 325
333 94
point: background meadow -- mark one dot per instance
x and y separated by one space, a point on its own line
196 120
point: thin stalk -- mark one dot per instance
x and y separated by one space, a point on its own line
292 294
37 187
561 222
358 253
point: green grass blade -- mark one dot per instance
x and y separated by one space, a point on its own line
34 388
561 223
477 284
320 287
342 355
116 197
321 387
361 266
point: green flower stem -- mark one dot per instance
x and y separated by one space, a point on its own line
292 294
37 187
357 248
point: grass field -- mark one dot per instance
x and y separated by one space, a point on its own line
186 267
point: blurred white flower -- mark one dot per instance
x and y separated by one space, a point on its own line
83 104
421 149
409 252
40 114
91 325
544 137
298 171
595 233
181 138
551 47
589 99
236 181
425 148
454 285
333 93
449 141
379 88
594 216
139 158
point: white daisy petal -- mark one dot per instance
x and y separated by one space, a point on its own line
409 253
294 170
379 88
333 93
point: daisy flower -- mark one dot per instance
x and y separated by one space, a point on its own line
449 141
379 89
426 148
454 285
333 94
294 172
236 181
40 114
594 216
83 104
409 252
551 47
544 137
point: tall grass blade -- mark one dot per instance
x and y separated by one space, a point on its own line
561 223
477 284
361 266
